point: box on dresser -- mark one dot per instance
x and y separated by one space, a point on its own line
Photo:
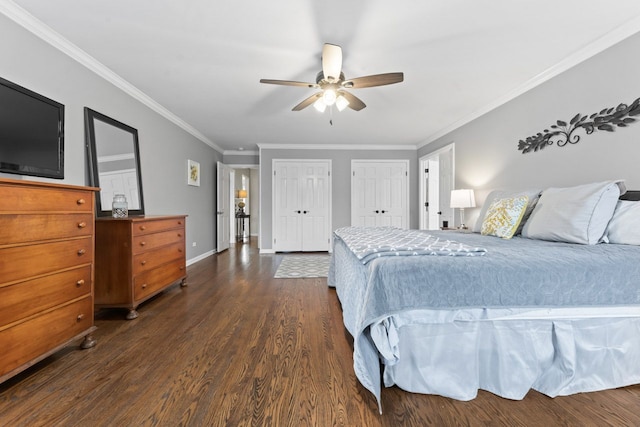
136 258
46 270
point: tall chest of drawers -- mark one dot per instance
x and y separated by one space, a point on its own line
137 258
46 271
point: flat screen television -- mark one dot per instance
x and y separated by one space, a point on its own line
31 133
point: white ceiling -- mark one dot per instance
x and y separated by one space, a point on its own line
202 59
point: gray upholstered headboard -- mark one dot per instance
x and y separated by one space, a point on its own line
631 195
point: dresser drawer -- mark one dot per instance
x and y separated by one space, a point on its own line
24 299
151 259
151 281
28 340
151 241
17 198
152 226
23 262
31 228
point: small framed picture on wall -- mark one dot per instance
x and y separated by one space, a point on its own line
193 173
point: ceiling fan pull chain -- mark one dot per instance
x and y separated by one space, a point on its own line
331 115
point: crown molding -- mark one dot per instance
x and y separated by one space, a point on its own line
622 32
240 153
23 18
334 147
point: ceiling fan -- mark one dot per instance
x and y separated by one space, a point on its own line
332 83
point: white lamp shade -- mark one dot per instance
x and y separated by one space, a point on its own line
342 102
320 105
463 199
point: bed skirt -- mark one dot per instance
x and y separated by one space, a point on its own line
454 353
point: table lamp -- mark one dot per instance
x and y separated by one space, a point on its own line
462 199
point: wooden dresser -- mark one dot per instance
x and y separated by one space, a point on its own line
46 270
136 258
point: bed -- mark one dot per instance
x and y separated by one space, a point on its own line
457 312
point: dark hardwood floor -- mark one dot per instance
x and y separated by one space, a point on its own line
237 347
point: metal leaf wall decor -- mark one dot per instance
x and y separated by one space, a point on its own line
562 133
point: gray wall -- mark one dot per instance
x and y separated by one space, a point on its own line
340 179
164 147
486 148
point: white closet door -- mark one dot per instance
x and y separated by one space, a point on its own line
380 193
287 210
302 205
364 202
315 206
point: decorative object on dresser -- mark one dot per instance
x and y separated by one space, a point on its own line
137 258
562 133
46 271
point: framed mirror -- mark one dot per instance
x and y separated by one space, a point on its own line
114 160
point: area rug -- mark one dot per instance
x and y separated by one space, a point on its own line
297 266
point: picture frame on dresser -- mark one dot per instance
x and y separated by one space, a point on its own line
113 155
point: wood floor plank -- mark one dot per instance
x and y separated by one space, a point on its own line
237 347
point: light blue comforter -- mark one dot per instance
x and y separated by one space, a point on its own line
513 273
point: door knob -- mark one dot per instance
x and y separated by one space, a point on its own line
305 212
297 211
383 211
377 211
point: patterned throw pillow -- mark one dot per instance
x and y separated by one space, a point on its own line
504 216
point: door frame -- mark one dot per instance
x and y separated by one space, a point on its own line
424 161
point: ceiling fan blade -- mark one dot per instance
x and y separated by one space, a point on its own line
310 100
288 83
375 80
331 62
354 102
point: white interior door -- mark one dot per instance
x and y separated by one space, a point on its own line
447 174
433 206
436 182
223 213
302 200
287 215
380 193
315 185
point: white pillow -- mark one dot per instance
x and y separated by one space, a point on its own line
532 195
624 227
576 214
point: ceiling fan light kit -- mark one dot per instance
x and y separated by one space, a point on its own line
331 82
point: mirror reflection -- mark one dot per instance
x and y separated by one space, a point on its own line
115 163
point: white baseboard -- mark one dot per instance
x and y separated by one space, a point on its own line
200 257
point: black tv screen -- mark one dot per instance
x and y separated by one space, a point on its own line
31 133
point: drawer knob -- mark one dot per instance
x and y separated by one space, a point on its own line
144 286
143 243
81 252
181 268
179 235
81 202
142 228
143 262
179 249
80 317
80 282
82 224
179 222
